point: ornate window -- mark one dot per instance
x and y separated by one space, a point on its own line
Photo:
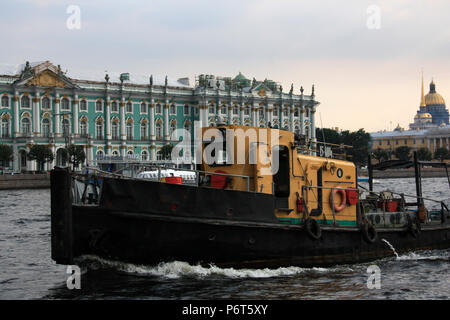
25 102
173 109
114 106
285 112
99 129
65 104
235 110
261 113
144 155
5 101
83 128
45 103
98 106
173 127
45 127
66 127
129 107
186 110
115 153
223 110
115 130
129 130
83 105
275 111
99 154
158 109
212 109
158 130
5 127
143 130
247 110
159 155
143 107
26 126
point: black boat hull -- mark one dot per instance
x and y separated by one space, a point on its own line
225 228
150 239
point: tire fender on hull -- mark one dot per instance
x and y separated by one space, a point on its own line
369 233
313 229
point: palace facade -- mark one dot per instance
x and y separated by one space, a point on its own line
127 115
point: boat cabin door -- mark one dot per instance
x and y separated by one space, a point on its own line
281 181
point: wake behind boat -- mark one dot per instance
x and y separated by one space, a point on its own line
308 212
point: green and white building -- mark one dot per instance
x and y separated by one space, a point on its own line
128 115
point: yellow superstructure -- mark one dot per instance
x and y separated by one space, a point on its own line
303 185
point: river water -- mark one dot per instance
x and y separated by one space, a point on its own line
27 271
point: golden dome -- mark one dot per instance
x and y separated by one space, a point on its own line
433 97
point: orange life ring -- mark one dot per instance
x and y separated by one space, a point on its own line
341 206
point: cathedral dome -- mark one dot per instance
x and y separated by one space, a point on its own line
433 97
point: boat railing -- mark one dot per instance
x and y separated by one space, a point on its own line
198 173
304 188
380 196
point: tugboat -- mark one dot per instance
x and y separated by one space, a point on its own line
286 207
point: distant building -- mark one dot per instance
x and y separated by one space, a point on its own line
430 128
127 115
432 112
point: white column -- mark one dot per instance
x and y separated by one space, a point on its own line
123 134
230 113
36 116
166 120
153 151
57 118
108 118
152 123
76 122
16 115
269 114
281 117
241 113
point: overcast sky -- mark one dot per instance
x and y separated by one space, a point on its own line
364 77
